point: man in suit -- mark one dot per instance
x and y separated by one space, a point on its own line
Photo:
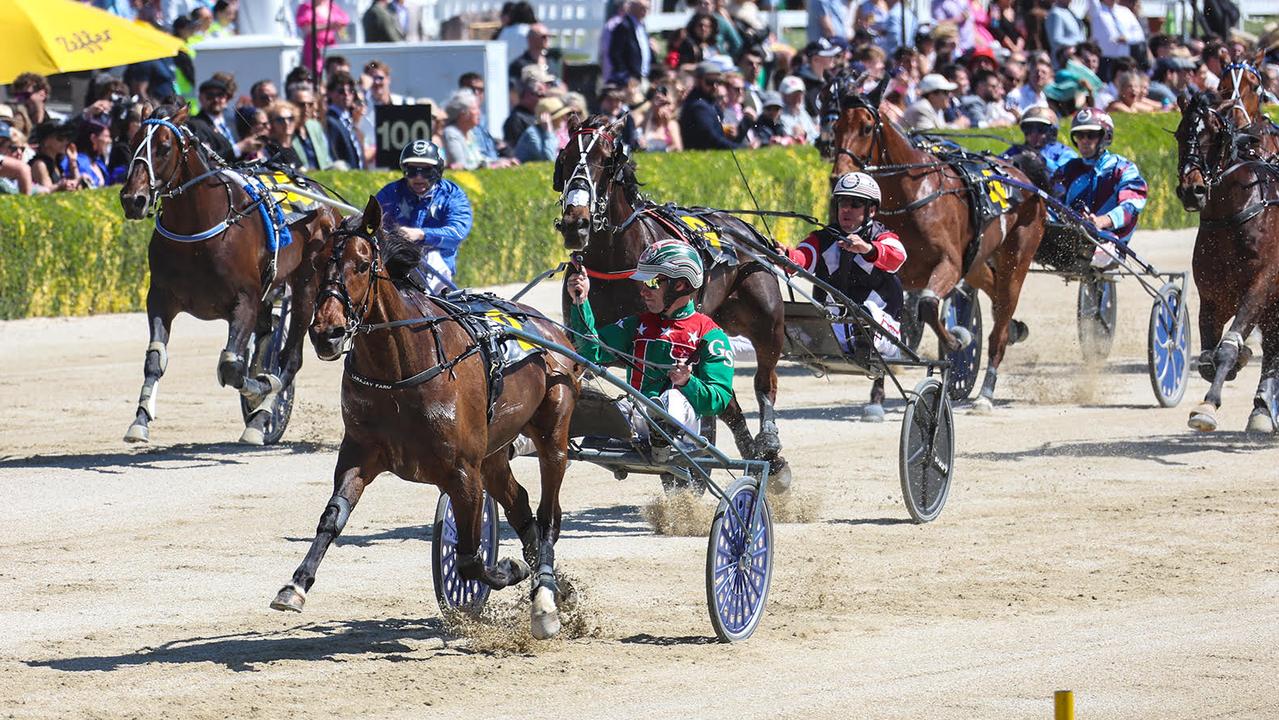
629 53
210 126
700 122
339 125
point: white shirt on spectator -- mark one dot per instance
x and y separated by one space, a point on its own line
1107 29
1027 96
796 119
921 115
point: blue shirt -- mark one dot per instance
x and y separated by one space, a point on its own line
444 214
1055 154
1109 185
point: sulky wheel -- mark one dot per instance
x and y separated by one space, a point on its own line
739 562
1168 348
452 592
267 358
1098 310
963 309
927 452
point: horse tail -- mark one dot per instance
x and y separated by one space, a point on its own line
1036 170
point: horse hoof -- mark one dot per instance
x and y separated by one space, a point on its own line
230 368
767 445
291 598
1259 423
138 433
544 616
252 436
1018 331
779 479
983 406
1203 418
515 570
873 413
963 337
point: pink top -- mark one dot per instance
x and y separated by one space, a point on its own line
328 21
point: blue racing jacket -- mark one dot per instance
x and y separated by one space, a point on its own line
444 214
1055 154
1110 185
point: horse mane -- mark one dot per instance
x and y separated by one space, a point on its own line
629 181
400 256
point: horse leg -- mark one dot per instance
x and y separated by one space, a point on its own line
160 319
942 280
874 410
356 468
290 359
735 419
552 455
465 489
1264 404
1012 262
500 483
982 277
1227 357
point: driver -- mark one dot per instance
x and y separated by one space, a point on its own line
688 360
1107 189
1039 129
430 210
860 257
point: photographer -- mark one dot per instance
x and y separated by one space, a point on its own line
51 140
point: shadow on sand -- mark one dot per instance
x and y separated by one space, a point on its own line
193 455
1163 449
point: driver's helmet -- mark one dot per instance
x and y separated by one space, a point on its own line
1091 118
422 153
1038 115
672 259
858 185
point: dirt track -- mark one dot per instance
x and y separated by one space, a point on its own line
1090 542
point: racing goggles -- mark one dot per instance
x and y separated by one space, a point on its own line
421 171
654 282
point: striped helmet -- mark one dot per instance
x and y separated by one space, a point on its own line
672 259
1091 118
858 185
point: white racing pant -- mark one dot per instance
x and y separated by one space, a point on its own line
436 272
844 334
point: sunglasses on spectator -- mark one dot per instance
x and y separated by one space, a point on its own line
378 78
653 283
477 89
282 119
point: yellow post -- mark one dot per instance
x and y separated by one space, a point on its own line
1064 705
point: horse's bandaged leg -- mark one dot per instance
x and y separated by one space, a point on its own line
335 515
231 369
988 385
157 360
261 392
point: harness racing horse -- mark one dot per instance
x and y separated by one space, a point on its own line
209 256
416 402
1229 176
607 221
927 203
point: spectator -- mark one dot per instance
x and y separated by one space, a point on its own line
153 78
1171 78
660 130
381 23
90 153
926 113
1211 55
340 123
379 75
251 122
889 32
981 59
893 107
330 22
361 118
613 106
1005 27
282 121
201 22
700 123
957 13
828 19
1064 30
700 43
739 109
518 20
993 110
15 175
461 149
210 126
797 124
730 40
630 52
539 39
224 12
30 92
1032 93
1130 96
1108 21
310 142
335 64
531 88
540 141
52 139
489 145
605 48
1108 93
819 59
768 129
263 94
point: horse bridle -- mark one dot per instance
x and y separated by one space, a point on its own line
597 198
1237 70
154 184
1194 159
334 285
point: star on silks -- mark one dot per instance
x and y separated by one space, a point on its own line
666 333
693 337
642 330
406 208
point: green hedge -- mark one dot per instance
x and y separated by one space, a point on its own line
75 255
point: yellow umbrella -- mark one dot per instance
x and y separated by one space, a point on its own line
53 36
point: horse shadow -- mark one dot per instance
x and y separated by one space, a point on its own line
244 652
1163 449
871 521
193 455
669 640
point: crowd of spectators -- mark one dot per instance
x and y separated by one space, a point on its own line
724 80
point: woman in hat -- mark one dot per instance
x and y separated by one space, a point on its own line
660 130
51 140
540 141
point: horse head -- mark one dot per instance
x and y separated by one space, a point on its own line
1200 143
594 158
1241 84
160 150
856 126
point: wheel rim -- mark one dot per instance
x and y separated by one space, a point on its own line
928 460
1169 348
452 590
964 310
1098 311
740 573
280 411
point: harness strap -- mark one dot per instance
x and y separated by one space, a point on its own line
1248 213
412 381
198 237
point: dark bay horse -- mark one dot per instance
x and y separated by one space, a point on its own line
606 220
1229 175
209 257
926 203
435 430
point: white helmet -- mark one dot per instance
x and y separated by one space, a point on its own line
858 185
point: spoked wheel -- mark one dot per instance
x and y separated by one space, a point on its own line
1168 348
739 562
267 359
963 309
927 454
912 329
451 591
1098 310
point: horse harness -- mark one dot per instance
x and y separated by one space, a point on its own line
1237 140
481 315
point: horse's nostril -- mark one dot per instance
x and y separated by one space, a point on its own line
333 333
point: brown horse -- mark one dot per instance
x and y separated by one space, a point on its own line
209 257
1241 83
609 223
928 205
415 402
1228 175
